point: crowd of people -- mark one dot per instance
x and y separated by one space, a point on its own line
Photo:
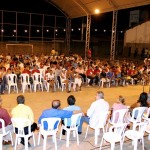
100 104
73 69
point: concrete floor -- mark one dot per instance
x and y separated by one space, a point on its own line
42 100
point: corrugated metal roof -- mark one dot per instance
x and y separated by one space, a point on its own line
79 8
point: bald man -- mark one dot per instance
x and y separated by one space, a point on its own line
56 112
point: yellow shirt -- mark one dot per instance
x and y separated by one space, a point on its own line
23 111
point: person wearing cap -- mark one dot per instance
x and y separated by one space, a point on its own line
99 105
8 124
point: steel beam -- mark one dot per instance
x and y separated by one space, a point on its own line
87 42
68 30
113 36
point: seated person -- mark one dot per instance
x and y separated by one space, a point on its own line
71 107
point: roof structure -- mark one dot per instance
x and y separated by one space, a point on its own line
79 8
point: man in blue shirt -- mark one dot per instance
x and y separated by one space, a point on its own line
72 107
55 111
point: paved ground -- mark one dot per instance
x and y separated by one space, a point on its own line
41 100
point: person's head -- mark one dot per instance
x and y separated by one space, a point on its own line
143 99
71 100
99 95
56 104
121 99
20 99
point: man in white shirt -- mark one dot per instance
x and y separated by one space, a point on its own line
99 105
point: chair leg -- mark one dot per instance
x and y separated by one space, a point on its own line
135 144
16 142
86 131
77 137
26 143
112 146
39 138
44 145
60 133
67 140
11 138
1 139
33 139
55 141
101 143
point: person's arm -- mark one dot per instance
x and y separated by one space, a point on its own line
77 112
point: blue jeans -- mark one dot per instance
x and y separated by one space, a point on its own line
83 119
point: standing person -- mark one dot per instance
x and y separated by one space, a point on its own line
25 112
99 105
57 112
8 124
89 53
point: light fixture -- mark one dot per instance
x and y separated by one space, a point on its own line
97 11
95 30
121 31
56 30
37 30
14 30
64 30
79 29
25 31
104 30
72 29
47 30
2 30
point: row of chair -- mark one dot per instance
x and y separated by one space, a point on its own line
114 129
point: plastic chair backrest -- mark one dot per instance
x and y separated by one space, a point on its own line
75 120
118 116
37 77
50 123
99 120
24 78
3 131
20 123
119 128
137 113
12 78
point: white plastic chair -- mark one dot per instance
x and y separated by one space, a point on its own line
137 115
20 123
12 82
75 122
3 133
118 116
115 134
25 82
98 122
47 76
136 134
52 128
37 81
63 85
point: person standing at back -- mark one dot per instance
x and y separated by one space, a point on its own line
99 105
25 112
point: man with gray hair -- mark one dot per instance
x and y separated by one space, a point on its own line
99 105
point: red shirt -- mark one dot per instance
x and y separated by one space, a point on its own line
89 72
35 70
26 71
5 116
